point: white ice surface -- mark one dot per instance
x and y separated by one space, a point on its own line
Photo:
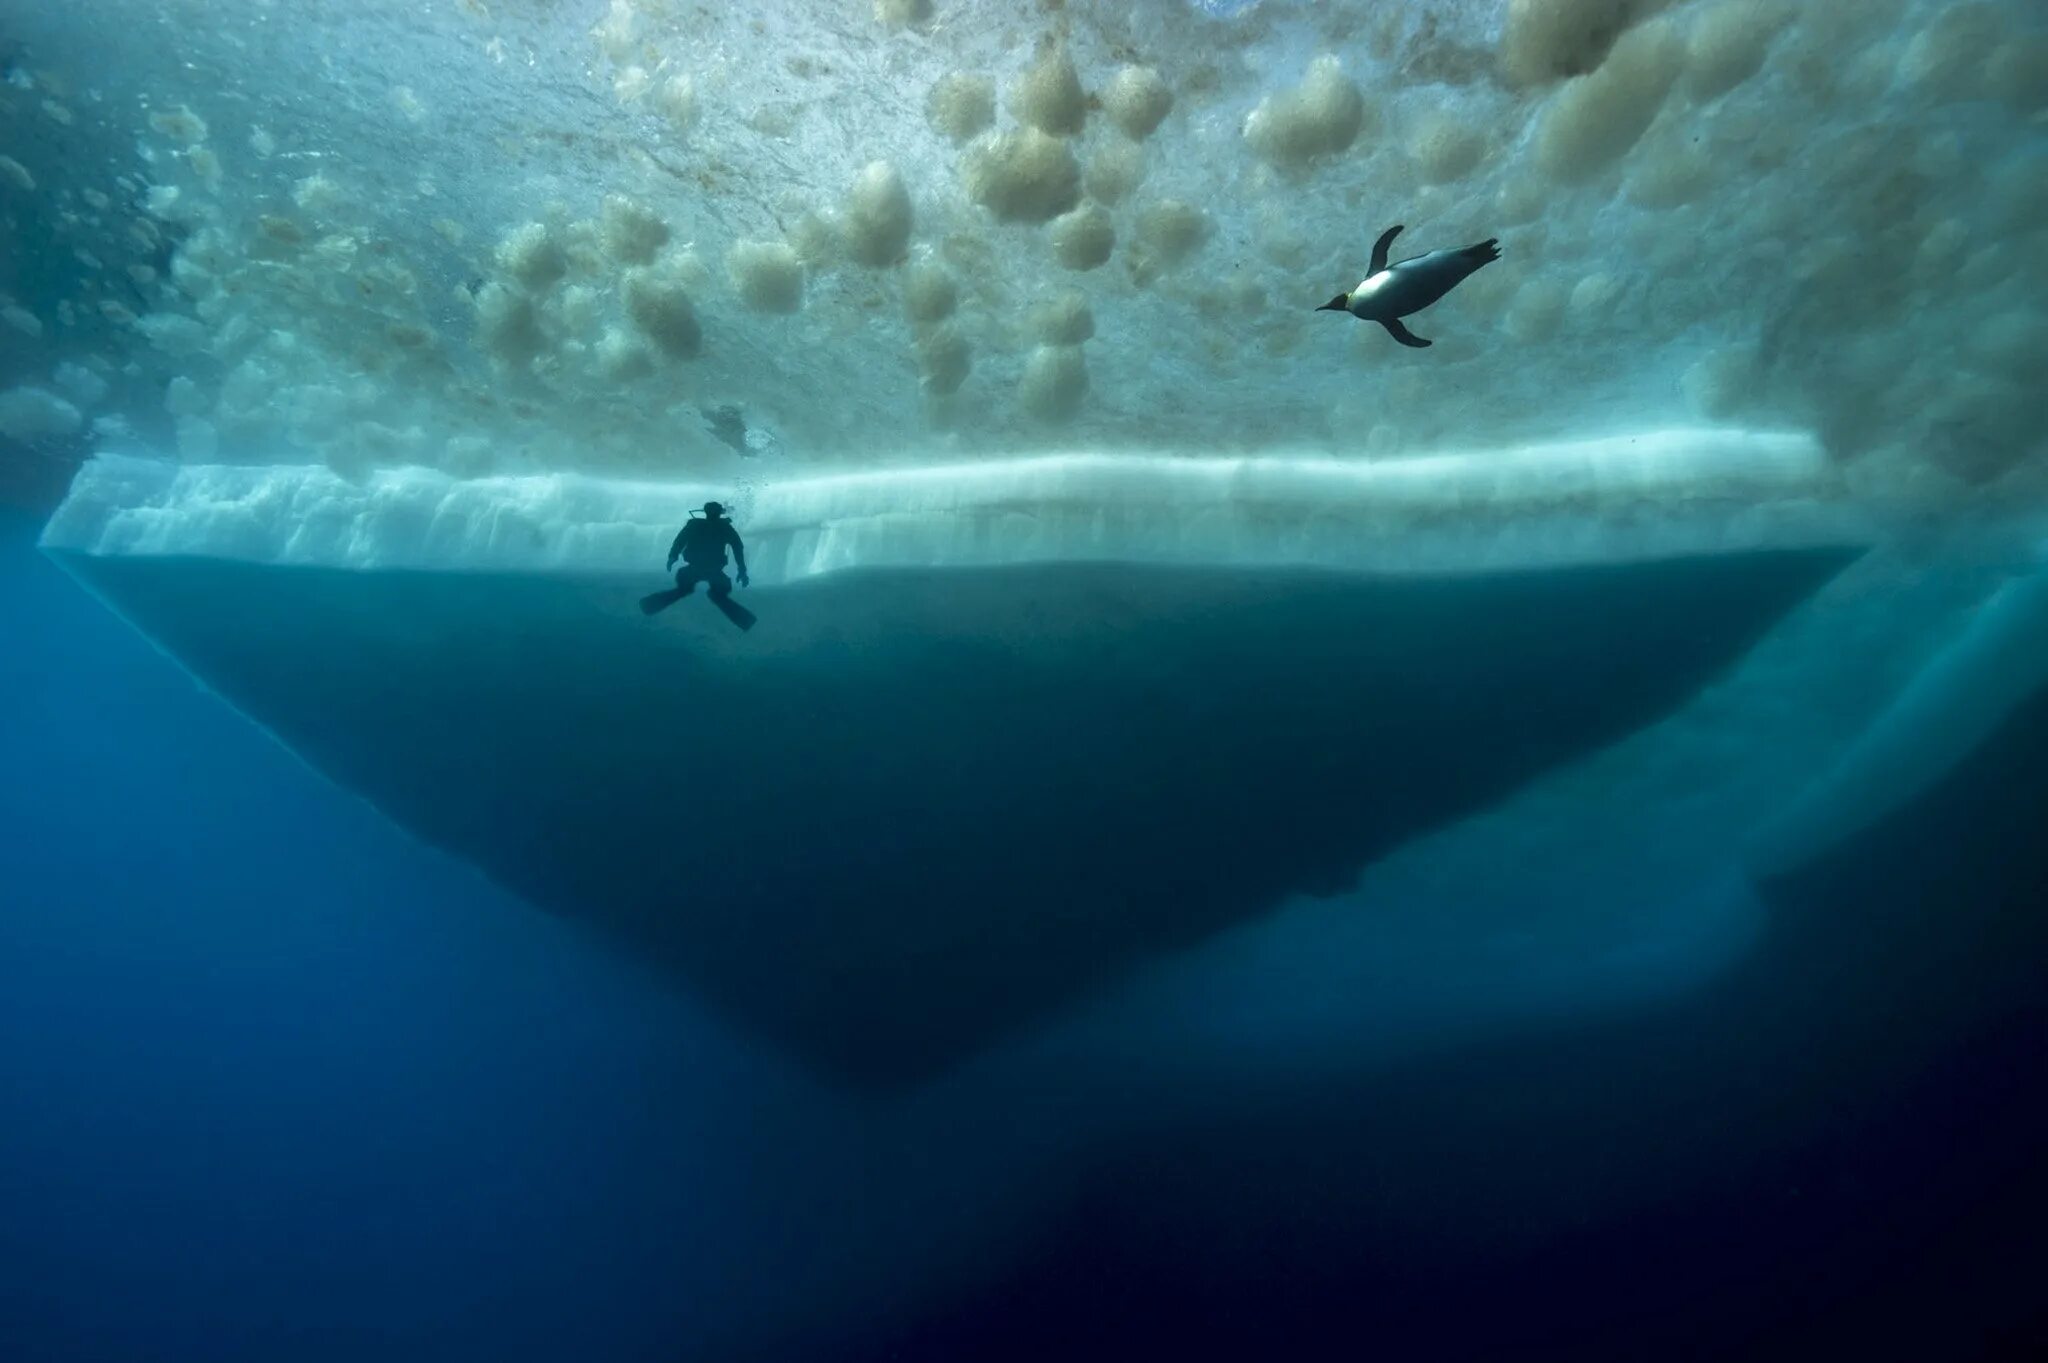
1651 494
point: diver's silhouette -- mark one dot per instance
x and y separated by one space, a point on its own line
701 545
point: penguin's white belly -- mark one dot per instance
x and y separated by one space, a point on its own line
1408 287
1365 299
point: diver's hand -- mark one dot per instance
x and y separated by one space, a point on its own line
744 580
671 562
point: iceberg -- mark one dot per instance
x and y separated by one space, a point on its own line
991 709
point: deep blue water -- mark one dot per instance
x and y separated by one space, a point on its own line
279 1083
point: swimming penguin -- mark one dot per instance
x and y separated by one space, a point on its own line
1387 295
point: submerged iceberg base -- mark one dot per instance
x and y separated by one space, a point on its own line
985 791
1856 1099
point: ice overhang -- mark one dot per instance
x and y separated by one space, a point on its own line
1637 495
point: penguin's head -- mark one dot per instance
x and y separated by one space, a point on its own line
1341 303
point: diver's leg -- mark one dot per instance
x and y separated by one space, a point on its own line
686 583
658 602
721 597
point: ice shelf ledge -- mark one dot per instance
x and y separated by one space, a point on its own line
1650 494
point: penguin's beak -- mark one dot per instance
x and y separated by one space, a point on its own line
1341 303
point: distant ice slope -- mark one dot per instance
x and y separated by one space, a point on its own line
1996 663
1618 878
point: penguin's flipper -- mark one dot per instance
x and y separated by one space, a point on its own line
1380 249
1403 335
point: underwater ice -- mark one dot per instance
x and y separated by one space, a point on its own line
510 240
960 285
1653 495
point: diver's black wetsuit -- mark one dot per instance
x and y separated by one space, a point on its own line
701 545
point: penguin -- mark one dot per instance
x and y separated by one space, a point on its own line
1386 295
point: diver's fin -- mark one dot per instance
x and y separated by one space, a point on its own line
661 601
734 611
1485 253
1380 249
1403 335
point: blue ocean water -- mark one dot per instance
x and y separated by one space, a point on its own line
282 1083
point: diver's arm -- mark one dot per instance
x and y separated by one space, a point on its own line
675 550
739 553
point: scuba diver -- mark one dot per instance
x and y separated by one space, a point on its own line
701 545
